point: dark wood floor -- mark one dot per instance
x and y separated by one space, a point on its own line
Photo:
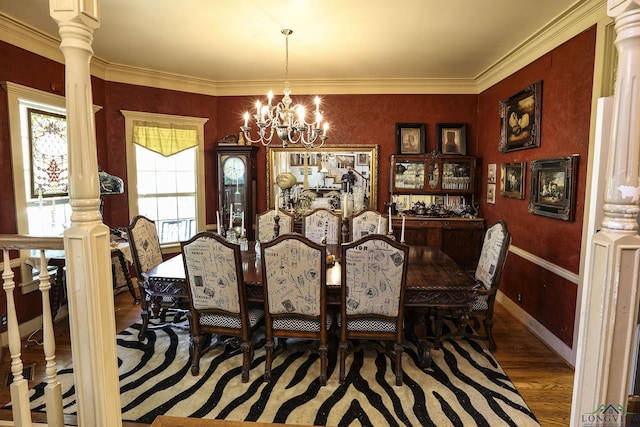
543 379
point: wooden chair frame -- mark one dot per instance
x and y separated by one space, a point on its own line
272 333
198 330
157 296
370 338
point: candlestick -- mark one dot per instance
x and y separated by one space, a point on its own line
404 217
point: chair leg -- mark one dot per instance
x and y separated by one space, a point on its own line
195 344
144 314
488 328
323 364
247 355
268 359
397 348
343 355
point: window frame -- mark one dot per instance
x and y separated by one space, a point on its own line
132 180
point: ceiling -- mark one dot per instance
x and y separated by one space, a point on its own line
341 40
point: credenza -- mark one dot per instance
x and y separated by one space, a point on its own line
460 238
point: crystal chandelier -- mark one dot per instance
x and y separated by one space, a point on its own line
286 120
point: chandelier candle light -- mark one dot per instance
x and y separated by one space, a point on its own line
286 120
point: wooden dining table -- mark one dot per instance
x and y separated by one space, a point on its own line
434 280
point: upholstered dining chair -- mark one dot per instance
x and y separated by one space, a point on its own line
294 276
156 295
367 222
266 224
217 298
374 276
322 226
493 256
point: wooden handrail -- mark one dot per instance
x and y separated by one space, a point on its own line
25 241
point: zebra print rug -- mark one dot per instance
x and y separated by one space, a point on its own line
464 386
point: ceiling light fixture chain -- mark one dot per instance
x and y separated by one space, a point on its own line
285 120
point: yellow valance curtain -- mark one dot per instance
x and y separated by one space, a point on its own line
164 138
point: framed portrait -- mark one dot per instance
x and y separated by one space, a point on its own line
512 180
553 187
491 173
520 119
362 159
491 193
451 138
411 138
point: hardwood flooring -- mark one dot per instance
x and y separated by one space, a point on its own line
543 379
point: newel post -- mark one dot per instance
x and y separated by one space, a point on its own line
86 242
606 350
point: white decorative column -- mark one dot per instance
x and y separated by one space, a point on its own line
609 313
86 242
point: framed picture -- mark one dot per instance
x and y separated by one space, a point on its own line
491 173
512 176
520 119
491 193
553 187
343 161
451 138
411 138
362 159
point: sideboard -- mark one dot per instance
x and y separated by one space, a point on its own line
460 238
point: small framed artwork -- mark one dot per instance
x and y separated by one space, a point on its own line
411 138
343 161
553 187
512 176
491 193
362 159
520 119
491 173
451 138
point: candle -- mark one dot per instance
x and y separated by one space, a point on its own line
246 119
270 96
326 126
345 207
218 221
390 227
230 216
242 229
277 203
404 217
258 108
317 103
380 224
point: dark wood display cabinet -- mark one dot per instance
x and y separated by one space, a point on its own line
441 179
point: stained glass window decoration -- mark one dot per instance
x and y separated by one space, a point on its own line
49 154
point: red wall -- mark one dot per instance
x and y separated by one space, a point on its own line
567 77
566 73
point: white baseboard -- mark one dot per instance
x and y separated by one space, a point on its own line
536 328
25 328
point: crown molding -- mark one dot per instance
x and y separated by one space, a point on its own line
584 14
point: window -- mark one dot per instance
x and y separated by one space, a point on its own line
40 160
165 169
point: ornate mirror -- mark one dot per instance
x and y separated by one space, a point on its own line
308 179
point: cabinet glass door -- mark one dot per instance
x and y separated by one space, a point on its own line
456 175
409 174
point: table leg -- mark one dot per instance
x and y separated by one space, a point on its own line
416 332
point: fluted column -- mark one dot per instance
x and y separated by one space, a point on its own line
86 242
606 351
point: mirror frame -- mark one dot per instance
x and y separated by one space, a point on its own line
348 149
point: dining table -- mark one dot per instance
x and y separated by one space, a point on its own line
434 281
